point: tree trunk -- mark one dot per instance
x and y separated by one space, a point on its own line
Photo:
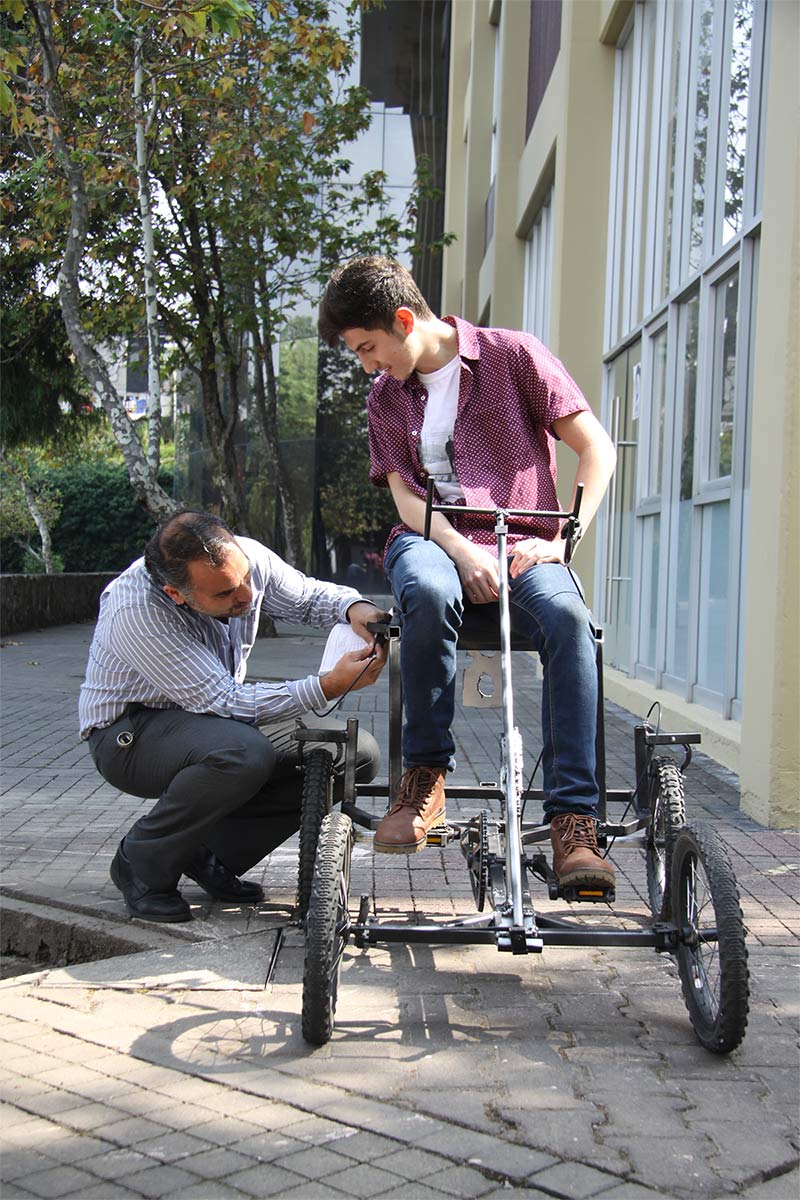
143 480
149 266
265 389
36 513
219 428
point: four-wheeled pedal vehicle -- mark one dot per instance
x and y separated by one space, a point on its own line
691 887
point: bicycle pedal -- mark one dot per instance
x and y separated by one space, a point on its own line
579 894
440 835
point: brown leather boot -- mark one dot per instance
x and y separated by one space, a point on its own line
420 804
576 859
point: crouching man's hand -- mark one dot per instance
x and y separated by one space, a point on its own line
347 674
360 613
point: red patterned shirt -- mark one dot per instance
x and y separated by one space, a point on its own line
511 391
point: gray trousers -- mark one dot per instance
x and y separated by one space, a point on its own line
221 784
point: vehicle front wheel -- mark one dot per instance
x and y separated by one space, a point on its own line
712 955
327 927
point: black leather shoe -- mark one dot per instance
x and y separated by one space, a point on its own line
141 900
215 878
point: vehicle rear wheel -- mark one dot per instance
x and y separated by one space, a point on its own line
712 955
667 818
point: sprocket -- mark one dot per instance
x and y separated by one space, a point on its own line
477 855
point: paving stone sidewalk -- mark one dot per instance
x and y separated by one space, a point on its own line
178 1069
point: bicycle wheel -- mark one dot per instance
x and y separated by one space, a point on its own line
667 818
327 927
317 772
712 956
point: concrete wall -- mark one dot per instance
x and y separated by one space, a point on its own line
38 601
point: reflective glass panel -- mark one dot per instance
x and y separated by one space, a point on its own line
741 13
713 623
680 574
703 29
724 398
648 611
657 400
672 62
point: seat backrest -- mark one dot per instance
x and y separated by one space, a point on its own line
480 630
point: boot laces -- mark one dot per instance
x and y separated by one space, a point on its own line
577 832
416 787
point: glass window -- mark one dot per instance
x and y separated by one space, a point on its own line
648 608
617 261
658 391
703 28
623 426
685 187
672 66
683 489
740 13
713 607
538 272
723 400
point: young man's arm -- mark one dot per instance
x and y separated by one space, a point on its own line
477 568
584 434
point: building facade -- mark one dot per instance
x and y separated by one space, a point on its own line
622 178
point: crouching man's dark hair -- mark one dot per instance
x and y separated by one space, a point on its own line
366 293
182 539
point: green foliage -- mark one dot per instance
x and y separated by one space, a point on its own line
43 392
33 563
353 508
297 381
100 528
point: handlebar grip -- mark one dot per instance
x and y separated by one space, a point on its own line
428 507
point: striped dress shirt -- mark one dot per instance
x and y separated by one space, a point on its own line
149 650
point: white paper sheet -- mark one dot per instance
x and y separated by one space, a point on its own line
341 639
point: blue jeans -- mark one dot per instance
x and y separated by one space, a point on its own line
546 608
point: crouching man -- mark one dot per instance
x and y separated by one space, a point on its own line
167 712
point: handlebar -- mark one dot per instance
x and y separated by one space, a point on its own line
568 532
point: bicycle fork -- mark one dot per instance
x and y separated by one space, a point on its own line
515 921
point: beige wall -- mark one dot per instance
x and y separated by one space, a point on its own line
770 774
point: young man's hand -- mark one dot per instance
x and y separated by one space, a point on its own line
477 569
535 550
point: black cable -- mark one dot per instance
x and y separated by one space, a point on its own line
530 781
339 699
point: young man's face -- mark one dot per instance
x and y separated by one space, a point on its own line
394 352
222 591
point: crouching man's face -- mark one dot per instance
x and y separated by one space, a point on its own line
221 591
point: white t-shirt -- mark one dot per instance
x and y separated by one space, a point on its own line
436 439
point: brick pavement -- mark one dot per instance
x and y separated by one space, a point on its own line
454 1071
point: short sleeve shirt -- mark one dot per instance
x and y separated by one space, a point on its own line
511 391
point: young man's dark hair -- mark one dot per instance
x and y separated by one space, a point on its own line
182 539
366 293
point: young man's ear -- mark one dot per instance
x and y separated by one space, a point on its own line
406 318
